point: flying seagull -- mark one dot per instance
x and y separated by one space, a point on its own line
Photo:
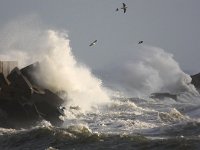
93 43
124 7
140 42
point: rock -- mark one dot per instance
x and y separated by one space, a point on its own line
19 83
29 72
3 81
23 102
163 95
196 81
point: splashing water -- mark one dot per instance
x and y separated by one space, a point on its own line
59 69
66 74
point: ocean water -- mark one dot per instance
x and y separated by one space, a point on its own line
124 123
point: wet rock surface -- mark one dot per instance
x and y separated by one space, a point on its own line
23 102
196 81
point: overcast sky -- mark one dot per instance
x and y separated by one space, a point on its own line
173 25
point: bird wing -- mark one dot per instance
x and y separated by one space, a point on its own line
140 42
124 10
93 43
124 5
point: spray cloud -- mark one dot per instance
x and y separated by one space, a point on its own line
148 70
22 41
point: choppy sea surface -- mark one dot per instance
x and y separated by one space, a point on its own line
124 123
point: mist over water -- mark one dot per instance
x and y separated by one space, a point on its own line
147 70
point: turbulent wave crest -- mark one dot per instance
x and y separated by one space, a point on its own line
49 138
